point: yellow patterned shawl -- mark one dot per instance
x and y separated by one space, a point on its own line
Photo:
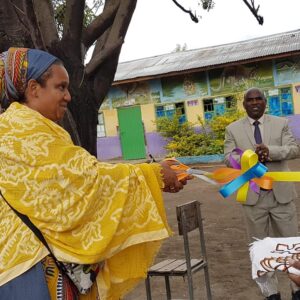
88 211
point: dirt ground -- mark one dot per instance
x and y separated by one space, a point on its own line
226 244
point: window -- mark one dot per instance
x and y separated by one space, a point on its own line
168 110
218 106
280 102
100 126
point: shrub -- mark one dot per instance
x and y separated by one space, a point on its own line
184 141
171 127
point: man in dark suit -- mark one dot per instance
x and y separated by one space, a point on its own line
269 211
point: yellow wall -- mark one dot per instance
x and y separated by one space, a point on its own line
111 122
239 105
111 119
192 112
148 117
296 99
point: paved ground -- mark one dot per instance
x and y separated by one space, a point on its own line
226 245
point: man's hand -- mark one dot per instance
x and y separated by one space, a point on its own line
172 185
263 153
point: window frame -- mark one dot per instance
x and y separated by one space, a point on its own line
169 113
214 112
101 124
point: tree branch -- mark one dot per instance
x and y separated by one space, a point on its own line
113 37
33 27
254 11
44 15
102 56
104 74
100 24
13 26
193 16
73 24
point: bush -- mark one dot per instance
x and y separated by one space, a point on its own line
171 127
219 123
184 141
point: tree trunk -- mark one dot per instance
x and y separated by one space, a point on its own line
12 34
22 23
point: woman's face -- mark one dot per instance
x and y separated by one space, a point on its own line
52 98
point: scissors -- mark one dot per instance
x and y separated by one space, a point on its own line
183 171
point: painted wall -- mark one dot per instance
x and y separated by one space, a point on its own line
239 78
184 87
192 89
108 148
155 145
135 93
287 70
194 109
294 122
296 97
111 122
148 117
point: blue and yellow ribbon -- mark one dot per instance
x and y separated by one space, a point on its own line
239 179
251 169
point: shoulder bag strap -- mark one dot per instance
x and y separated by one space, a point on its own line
37 233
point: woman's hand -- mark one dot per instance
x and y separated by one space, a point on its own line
295 264
172 185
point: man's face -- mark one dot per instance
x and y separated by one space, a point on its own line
254 104
54 97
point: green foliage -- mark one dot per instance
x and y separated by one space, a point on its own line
180 48
219 123
59 14
184 141
90 12
171 127
207 4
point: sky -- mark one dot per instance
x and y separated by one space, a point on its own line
157 26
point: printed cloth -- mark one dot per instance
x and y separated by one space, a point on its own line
17 67
61 288
272 254
88 211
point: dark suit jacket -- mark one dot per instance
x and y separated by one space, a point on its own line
282 146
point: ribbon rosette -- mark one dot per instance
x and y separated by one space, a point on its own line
239 180
251 172
236 165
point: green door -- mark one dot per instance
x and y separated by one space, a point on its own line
131 132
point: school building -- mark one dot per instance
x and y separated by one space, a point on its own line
202 82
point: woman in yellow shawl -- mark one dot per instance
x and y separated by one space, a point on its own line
110 219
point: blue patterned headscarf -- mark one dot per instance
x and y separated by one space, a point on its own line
17 67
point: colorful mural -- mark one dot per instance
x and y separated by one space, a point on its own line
240 78
142 92
206 93
288 70
191 86
184 87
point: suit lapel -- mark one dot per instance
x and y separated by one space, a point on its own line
267 130
248 130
